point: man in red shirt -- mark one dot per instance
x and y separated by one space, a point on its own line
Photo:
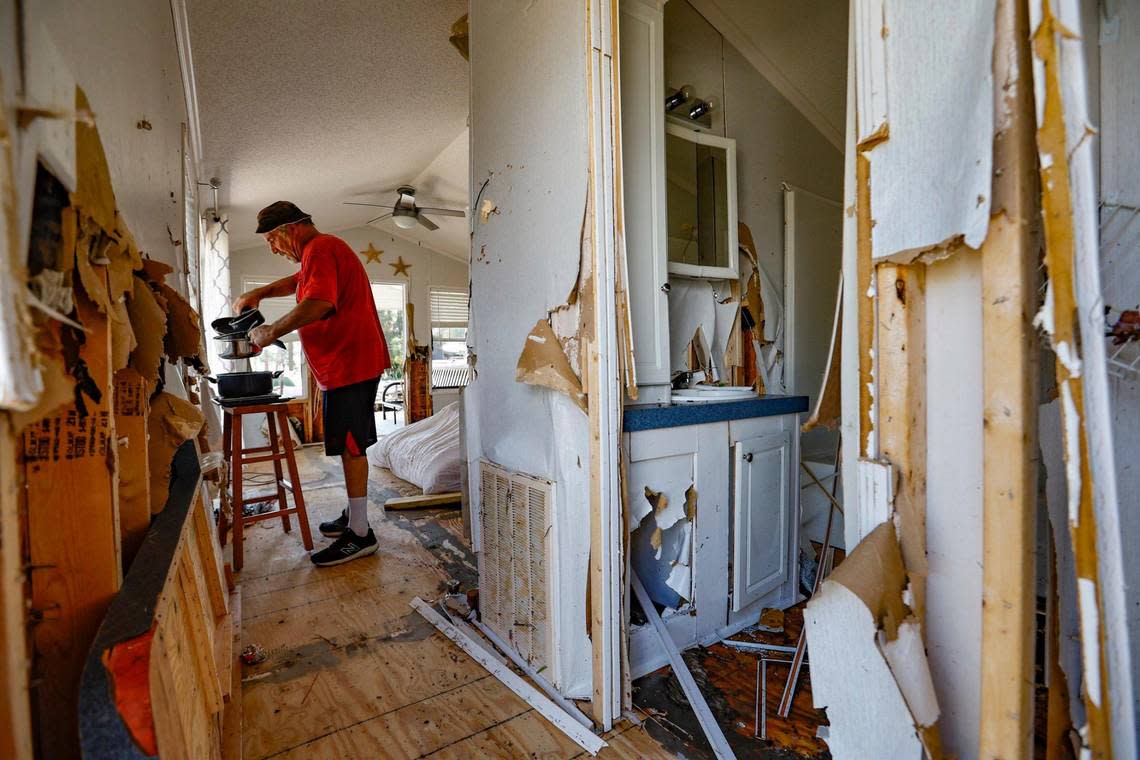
346 351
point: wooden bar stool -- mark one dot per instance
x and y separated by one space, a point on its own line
238 455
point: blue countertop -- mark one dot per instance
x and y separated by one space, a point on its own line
678 415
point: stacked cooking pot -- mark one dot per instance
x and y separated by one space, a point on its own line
231 337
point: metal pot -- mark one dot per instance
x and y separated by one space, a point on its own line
239 346
245 384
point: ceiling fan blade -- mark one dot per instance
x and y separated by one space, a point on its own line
380 218
443 211
374 205
426 222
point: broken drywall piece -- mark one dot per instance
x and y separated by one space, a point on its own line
874 572
851 680
51 288
666 513
155 270
543 362
90 247
827 404
21 380
487 209
1056 497
183 337
93 195
939 98
681 580
58 389
859 631
906 657
123 340
171 422
643 507
692 316
148 321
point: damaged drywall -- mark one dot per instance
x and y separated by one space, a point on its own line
923 138
171 422
21 379
544 363
867 660
663 521
1072 313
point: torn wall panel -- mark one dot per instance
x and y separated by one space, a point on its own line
930 179
1072 316
20 380
860 631
536 167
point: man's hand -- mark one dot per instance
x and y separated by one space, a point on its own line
250 300
262 335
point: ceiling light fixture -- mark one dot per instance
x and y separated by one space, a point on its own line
403 218
677 98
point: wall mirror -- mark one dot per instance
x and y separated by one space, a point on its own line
700 173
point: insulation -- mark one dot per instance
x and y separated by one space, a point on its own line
425 453
932 175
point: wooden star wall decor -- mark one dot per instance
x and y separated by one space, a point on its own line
371 255
400 267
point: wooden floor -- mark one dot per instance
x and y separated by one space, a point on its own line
352 672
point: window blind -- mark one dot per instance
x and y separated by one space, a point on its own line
449 308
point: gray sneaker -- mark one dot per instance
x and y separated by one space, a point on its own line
345 549
335 528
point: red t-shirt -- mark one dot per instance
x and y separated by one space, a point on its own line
348 345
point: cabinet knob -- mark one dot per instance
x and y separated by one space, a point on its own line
748 457
665 288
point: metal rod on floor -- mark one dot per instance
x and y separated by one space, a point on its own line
789 694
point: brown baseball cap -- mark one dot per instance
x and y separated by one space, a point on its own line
276 214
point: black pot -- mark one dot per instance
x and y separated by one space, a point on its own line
239 325
245 384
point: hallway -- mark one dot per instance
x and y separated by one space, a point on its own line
352 672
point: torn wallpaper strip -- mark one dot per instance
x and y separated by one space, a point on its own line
931 177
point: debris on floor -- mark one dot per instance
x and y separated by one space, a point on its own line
253 655
728 678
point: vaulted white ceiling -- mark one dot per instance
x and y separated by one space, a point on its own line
316 102
801 47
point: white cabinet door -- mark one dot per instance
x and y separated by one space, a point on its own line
762 475
643 175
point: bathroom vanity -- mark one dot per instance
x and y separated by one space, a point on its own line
712 481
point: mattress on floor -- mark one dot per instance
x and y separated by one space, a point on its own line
425 453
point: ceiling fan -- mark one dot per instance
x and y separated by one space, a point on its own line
405 214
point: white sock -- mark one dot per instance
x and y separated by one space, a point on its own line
358 515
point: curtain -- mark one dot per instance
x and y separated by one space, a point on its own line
217 300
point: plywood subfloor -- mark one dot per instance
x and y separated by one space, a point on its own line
352 672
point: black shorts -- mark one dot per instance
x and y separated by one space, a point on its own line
350 419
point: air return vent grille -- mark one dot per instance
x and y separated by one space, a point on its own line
515 522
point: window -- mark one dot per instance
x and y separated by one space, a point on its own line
294 379
449 313
390 300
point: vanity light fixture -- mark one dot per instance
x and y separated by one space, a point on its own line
672 102
702 107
